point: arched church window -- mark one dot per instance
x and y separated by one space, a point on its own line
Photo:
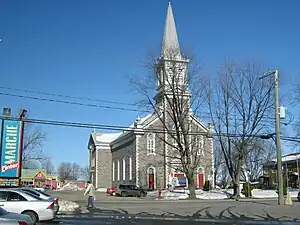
151 143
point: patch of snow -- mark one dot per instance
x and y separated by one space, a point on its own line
230 192
174 196
184 194
68 207
108 137
101 190
70 187
258 193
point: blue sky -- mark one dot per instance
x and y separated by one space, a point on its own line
90 48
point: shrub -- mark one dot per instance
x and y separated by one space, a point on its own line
206 186
247 188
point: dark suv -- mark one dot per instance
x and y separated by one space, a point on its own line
130 190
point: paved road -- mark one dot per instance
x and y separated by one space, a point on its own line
188 209
226 209
144 221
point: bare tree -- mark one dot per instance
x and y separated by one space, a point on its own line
221 175
33 143
47 164
85 172
69 171
239 104
259 152
174 79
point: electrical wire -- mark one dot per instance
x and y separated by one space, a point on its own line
124 129
208 116
65 96
72 103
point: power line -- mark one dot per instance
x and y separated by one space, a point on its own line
66 96
202 114
72 103
124 129
105 106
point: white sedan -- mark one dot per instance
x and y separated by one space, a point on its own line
18 201
8 218
42 195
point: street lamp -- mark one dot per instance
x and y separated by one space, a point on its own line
277 131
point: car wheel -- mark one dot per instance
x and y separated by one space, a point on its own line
34 217
124 194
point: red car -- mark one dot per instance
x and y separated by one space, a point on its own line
111 191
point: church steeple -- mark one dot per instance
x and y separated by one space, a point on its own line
170 40
171 66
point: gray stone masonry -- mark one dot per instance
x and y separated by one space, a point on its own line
125 151
154 160
104 168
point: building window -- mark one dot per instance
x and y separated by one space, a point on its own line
113 171
200 146
130 168
124 169
118 170
151 143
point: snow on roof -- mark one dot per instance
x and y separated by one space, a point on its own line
289 157
142 120
107 137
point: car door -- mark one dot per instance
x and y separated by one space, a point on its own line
14 201
3 199
134 190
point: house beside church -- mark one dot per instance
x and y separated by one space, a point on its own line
138 155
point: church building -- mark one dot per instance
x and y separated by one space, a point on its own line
138 155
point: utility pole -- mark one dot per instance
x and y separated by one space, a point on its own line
278 144
277 131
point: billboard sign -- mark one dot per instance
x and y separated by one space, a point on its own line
11 149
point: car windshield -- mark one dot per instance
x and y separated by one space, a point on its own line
43 193
3 212
32 195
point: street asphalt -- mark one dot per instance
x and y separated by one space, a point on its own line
118 210
154 221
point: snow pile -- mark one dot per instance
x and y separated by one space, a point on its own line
70 187
184 194
174 195
214 194
258 193
68 207
101 190
229 192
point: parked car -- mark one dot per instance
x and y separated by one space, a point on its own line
42 195
130 190
39 189
111 191
18 201
8 218
36 187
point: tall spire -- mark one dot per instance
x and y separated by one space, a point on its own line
170 40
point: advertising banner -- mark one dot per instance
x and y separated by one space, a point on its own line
11 148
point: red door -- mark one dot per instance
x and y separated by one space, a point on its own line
200 180
151 181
